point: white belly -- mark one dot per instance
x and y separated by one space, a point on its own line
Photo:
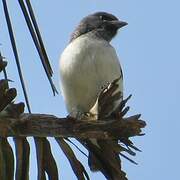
85 66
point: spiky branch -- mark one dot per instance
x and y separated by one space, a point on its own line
43 125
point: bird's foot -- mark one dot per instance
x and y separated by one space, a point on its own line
83 116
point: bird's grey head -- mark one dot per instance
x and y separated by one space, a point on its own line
101 24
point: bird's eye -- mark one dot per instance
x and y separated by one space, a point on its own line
101 17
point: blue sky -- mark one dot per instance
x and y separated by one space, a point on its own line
149 53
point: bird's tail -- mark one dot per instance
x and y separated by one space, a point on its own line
104 157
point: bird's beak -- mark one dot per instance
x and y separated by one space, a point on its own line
118 24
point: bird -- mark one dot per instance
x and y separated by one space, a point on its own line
87 64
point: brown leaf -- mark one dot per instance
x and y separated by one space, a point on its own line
76 165
7 98
6 160
15 110
3 64
22 158
3 87
45 160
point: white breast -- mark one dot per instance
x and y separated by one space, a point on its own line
85 66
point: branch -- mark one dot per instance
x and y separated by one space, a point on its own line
43 125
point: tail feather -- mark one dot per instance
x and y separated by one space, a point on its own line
103 158
93 163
